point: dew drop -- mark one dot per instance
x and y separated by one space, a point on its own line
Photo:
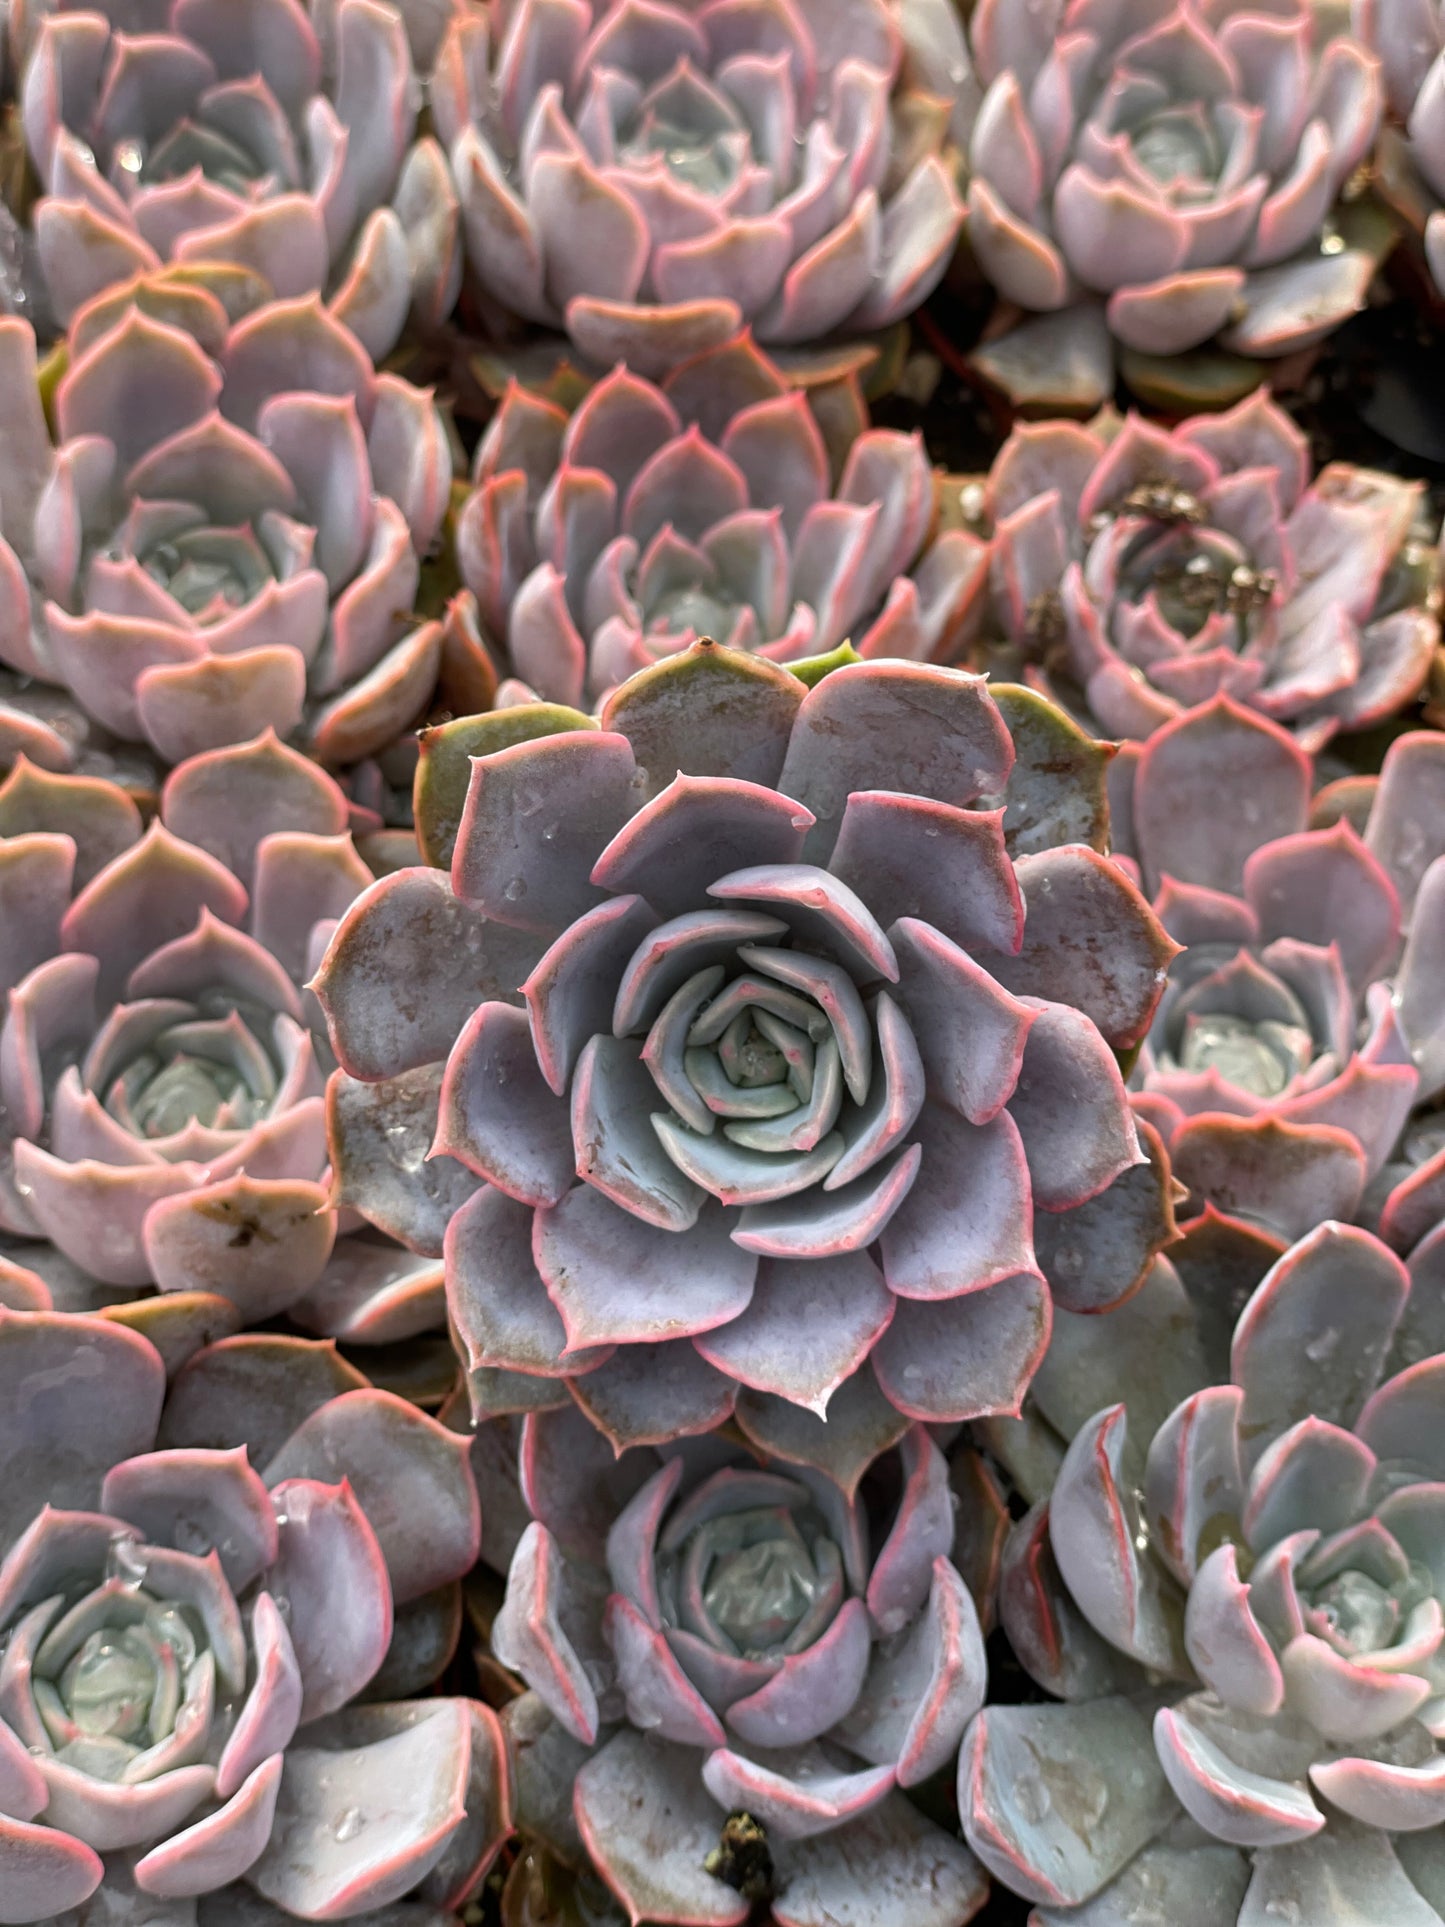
515 890
125 1562
1323 1347
350 1824
1033 1799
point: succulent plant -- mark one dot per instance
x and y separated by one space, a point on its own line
711 1634
1408 39
185 132
1169 173
600 543
1263 1576
651 174
1298 1030
189 1626
1153 569
162 1118
225 538
777 1111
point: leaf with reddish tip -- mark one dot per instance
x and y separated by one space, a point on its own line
362 1820
329 1551
1090 940
708 711
1179 825
1285 1177
444 773
381 1137
411 929
253 1391
259 1243
649 1826
410 1475
934 733
1056 1800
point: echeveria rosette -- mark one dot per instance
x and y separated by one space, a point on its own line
650 175
1277 1548
188 1628
163 1077
1303 1020
653 516
188 132
722 1632
1166 174
226 536
1154 569
809 1084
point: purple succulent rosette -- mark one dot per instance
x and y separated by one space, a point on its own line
1154 569
1302 1022
188 1625
601 543
1261 1574
1166 175
775 1119
711 1632
162 1073
652 175
225 537
225 132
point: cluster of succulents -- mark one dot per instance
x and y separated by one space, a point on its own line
722 963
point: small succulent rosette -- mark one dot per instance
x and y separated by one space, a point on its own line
192 132
1302 1023
1165 177
1261 1576
1151 569
710 1634
774 1120
651 175
226 536
1408 39
600 543
162 1072
210 1605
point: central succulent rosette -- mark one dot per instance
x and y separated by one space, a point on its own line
780 1091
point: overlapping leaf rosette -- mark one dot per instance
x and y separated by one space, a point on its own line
599 543
1153 569
1262 1577
205 1602
650 175
225 537
1302 1023
189 132
1168 176
162 1074
791 1083
711 1633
